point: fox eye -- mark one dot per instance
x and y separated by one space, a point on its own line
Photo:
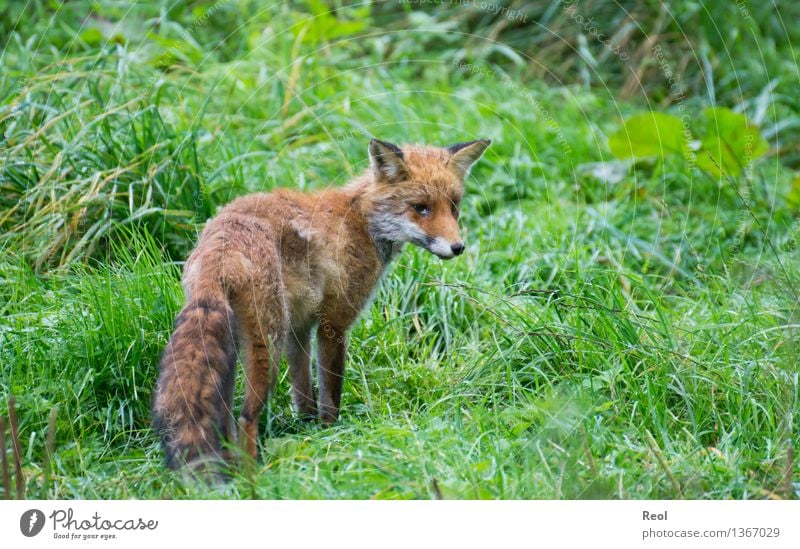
454 209
421 209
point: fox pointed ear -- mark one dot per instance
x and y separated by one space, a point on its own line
464 155
387 161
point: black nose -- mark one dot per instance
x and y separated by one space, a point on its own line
458 249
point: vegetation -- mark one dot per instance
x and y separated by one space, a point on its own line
624 323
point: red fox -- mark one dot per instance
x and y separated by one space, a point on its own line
271 268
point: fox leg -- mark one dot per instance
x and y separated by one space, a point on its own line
330 369
262 316
227 417
261 365
298 355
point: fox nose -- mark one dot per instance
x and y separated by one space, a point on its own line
458 249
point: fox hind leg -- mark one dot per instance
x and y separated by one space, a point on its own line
263 316
298 355
227 417
261 365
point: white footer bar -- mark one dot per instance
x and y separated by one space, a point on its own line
407 524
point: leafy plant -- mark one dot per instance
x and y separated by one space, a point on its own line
729 143
649 134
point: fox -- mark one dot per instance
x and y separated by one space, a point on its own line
271 269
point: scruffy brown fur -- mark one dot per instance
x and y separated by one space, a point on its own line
271 268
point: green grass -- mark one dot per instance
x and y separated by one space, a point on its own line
628 339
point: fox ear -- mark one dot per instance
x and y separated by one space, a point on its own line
464 155
387 162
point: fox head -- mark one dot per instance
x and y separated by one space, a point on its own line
416 193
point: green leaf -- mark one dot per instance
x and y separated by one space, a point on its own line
327 23
92 36
318 7
730 143
793 198
649 134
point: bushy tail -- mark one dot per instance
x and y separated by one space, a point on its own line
192 400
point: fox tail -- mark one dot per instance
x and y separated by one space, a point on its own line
192 400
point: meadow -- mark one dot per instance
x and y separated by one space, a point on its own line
624 321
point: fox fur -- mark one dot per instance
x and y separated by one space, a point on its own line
272 268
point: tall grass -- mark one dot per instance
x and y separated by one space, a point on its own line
601 338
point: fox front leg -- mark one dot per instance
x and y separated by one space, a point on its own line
330 371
